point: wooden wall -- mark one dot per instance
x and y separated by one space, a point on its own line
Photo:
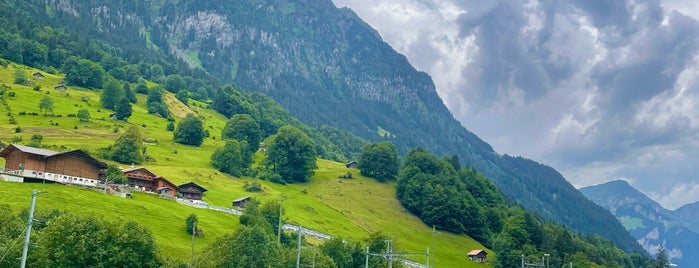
72 166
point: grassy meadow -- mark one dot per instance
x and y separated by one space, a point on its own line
348 208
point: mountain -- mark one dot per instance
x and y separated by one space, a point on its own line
689 214
327 67
648 221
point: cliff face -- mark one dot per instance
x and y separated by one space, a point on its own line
327 67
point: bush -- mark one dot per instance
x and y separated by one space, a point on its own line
18 129
37 88
253 187
11 94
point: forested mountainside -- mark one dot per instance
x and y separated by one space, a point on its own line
648 221
325 65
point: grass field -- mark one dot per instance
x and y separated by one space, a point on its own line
348 208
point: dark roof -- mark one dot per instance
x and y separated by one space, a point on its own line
241 199
78 153
193 184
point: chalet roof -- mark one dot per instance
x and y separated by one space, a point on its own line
241 199
476 252
78 153
132 169
32 150
194 185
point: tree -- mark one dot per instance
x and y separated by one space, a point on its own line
248 246
111 94
36 140
243 127
79 241
380 161
129 93
190 131
191 223
170 126
83 72
183 96
83 115
292 155
46 105
228 159
127 148
123 109
10 229
661 259
115 175
20 76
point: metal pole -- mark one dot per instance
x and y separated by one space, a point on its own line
194 231
427 257
434 248
366 265
28 232
279 228
390 254
298 253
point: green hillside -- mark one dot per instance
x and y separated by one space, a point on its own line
348 208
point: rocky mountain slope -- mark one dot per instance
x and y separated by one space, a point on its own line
649 222
327 67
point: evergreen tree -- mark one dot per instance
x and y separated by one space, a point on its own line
191 223
123 109
115 175
190 131
292 155
661 259
127 148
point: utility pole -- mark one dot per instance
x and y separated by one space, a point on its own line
366 264
194 231
427 257
298 251
434 257
389 252
28 232
279 227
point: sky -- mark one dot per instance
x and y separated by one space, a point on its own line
598 89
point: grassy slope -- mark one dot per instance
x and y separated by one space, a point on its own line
351 209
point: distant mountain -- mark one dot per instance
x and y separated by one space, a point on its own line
327 67
648 221
689 214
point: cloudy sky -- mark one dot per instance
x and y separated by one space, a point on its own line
598 89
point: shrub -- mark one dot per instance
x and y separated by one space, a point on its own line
11 94
253 187
18 129
37 88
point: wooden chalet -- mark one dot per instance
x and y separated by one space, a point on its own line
240 202
61 88
477 255
143 179
191 191
351 164
38 75
30 164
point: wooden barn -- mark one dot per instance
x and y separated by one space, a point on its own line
240 202
143 179
35 164
477 255
191 191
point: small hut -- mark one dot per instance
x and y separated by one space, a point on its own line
240 202
477 255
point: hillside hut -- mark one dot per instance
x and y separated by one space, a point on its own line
240 202
477 255
38 75
191 191
143 179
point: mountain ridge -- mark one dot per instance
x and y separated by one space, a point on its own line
327 68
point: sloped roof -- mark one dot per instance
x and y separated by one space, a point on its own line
476 252
32 150
241 199
193 184
44 153
132 169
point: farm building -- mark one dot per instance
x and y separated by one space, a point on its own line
38 75
30 164
351 164
241 202
191 191
143 179
61 88
477 255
